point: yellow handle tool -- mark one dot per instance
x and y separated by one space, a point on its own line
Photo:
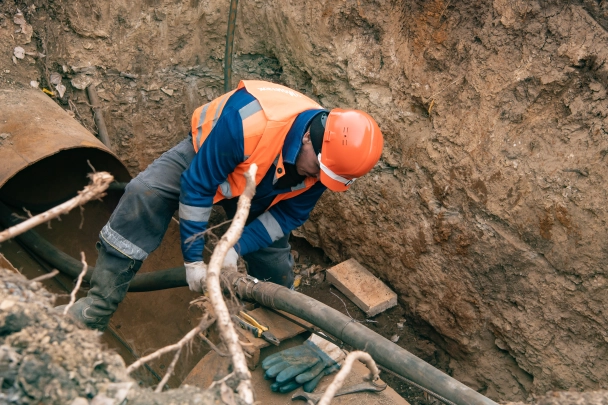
257 328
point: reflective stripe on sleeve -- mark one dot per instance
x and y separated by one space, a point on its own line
272 226
190 213
226 189
120 243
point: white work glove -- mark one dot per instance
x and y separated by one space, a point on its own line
196 276
230 260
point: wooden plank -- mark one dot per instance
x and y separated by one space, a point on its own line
361 287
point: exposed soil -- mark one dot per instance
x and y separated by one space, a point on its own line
486 213
47 358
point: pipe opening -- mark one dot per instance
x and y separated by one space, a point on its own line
59 177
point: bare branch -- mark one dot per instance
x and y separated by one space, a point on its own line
212 346
45 276
162 382
337 383
99 183
199 235
85 267
213 384
224 322
204 324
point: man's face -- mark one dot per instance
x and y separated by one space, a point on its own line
307 163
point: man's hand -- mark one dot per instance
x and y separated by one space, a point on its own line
230 259
196 276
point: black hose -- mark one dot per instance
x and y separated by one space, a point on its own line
229 46
157 280
382 350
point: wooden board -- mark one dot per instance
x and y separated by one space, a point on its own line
362 287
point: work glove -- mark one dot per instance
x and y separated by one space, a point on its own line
230 260
302 365
196 276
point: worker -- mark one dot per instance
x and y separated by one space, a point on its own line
300 148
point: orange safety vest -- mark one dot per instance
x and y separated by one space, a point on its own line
265 127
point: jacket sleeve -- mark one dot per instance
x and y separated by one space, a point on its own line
278 221
219 155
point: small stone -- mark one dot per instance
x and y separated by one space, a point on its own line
6 304
401 323
167 91
19 52
295 255
501 344
81 81
395 338
55 78
101 399
60 89
34 84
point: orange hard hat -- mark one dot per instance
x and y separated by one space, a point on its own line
352 145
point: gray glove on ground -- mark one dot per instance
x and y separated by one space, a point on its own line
302 365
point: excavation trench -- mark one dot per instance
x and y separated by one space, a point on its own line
59 169
486 213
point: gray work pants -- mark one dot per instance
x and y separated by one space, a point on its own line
140 220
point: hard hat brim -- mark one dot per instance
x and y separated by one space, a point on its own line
332 184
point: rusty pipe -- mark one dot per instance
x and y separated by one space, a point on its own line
45 153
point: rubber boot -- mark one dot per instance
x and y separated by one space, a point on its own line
109 285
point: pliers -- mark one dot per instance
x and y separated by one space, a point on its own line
259 331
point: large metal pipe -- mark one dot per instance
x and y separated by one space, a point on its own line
45 154
382 350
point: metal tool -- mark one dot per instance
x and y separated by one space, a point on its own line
362 387
259 331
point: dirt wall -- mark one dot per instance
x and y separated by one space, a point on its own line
486 212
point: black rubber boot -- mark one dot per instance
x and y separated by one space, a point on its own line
109 285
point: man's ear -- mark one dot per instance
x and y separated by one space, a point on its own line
306 138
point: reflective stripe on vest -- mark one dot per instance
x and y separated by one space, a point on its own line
266 122
205 117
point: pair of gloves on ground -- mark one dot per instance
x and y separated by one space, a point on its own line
302 366
196 272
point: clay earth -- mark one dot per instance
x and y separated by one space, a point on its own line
486 212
